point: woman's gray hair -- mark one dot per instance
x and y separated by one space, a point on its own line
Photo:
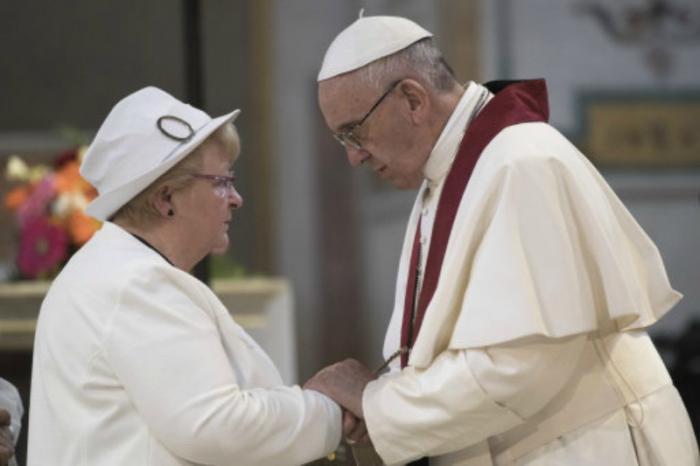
421 60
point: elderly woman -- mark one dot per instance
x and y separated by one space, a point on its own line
136 362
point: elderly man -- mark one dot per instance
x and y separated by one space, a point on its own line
524 285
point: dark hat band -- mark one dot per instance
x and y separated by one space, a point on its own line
170 132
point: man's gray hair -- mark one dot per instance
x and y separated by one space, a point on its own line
421 60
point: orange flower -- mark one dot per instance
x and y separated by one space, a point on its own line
90 192
81 227
16 197
68 178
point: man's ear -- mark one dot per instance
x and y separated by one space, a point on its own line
417 97
162 201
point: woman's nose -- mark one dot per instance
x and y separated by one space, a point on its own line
235 199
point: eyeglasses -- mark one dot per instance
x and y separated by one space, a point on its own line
350 136
223 185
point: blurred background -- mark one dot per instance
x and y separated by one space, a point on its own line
624 84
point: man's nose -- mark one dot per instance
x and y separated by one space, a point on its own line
356 156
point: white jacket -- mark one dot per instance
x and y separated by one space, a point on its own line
138 363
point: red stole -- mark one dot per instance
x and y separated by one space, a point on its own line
514 102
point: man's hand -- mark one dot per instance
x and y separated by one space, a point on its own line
344 382
7 446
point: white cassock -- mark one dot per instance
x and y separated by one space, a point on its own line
138 363
532 350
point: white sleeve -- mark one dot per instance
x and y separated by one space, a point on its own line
465 396
166 350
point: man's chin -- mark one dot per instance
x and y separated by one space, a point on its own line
404 184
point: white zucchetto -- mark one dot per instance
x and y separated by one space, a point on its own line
366 40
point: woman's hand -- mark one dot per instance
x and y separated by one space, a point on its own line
354 429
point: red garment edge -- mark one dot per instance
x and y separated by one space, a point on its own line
520 102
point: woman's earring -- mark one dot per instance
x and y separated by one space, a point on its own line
170 212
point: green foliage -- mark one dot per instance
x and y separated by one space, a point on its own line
225 266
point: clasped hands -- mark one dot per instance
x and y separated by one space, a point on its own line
344 383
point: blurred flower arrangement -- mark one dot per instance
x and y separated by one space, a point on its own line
49 203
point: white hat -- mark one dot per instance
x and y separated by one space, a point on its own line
144 135
368 39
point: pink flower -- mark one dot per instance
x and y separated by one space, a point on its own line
37 204
43 246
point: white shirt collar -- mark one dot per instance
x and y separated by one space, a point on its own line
441 157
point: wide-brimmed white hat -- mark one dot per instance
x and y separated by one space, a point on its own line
368 39
144 135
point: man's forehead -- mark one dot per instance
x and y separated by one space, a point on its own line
341 99
340 85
